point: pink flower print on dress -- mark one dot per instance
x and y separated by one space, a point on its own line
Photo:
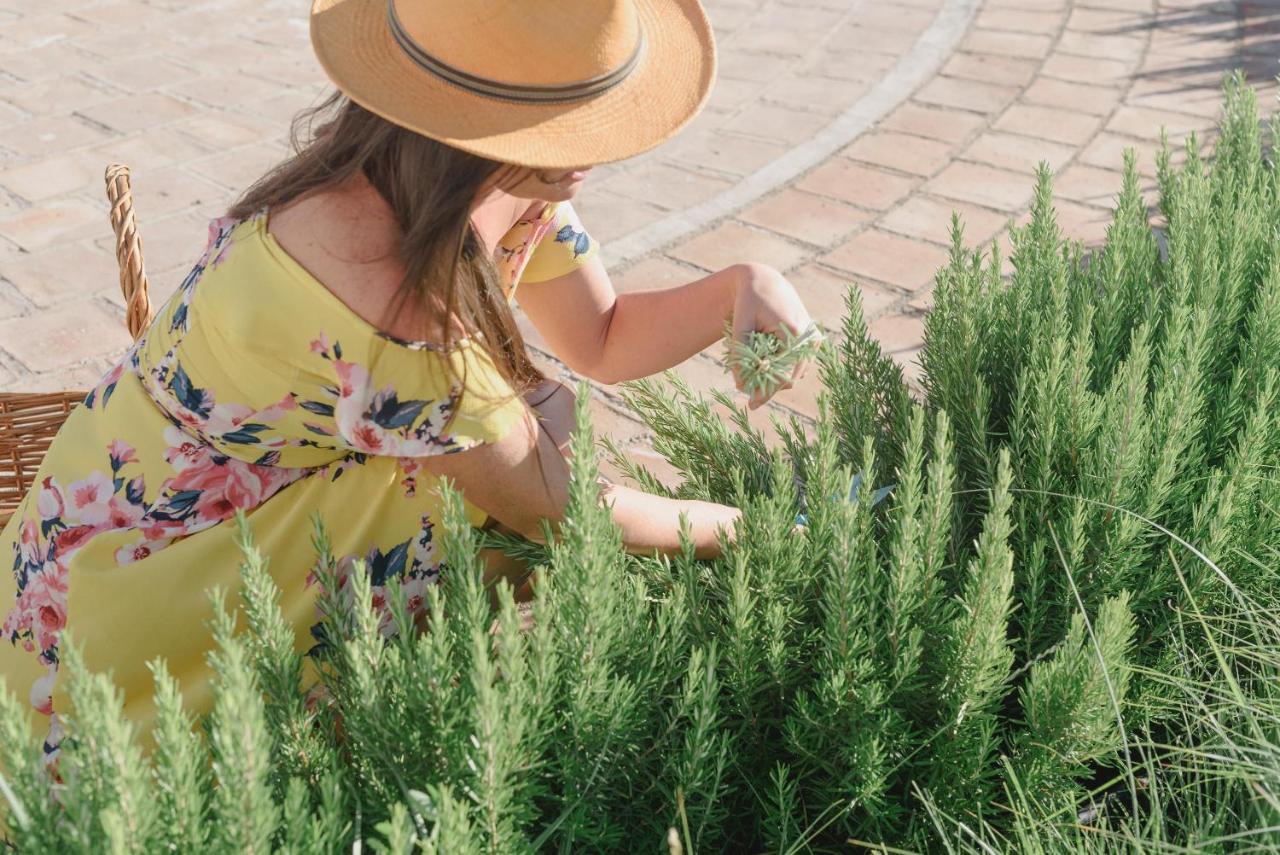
29 543
124 514
49 502
90 498
183 452
132 552
121 453
42 692
380 423
42 606
69 540
219 231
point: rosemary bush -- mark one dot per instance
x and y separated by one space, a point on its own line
1035 610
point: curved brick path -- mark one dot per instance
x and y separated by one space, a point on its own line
839 138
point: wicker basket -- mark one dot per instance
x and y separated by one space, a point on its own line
28 421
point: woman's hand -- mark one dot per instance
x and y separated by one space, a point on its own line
767 302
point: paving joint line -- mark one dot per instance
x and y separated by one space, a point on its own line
913 68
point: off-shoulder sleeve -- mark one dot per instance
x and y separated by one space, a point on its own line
561 247
409 402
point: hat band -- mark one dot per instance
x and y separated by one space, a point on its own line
558 93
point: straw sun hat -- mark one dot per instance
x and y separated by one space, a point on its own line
550 85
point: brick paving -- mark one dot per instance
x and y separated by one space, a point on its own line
197 98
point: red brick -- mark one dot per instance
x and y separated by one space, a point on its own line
48 61
1146 123
36 30
1083 223
138 112
1079 97
1088 184
898 335
991 68
60 95
1197 99
731 243
823 292
966 95
52 276
1080 69
773 122
665 186
163 191
609 422
1049 123
1021 45
900 151
924 218
803 18
760 68
84 376
1107 152
228 130
55 176
805 216
855 66
153 149
39 137
983 185
1094 20
815 92
774 41
1019 20
736 155
224 91
891 16
888 258
951 126
802 397
64 336
1038 5
1118 48
53 222
852 182
141 73
9 308
703 372
1022 154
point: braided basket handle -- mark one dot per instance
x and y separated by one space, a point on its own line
133 275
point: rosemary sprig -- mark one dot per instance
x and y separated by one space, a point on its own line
764 361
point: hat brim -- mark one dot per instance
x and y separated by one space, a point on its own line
668 87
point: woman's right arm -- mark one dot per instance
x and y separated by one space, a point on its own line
506 480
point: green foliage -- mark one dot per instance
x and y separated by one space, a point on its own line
764 361
1057 630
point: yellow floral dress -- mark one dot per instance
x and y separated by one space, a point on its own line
255 389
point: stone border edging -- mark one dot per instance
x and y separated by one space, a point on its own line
916 67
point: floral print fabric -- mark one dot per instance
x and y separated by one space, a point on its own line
254 389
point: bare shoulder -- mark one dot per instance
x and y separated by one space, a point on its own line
346 241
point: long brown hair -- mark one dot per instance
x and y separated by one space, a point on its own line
430 187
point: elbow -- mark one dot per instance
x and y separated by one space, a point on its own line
599 371
607 375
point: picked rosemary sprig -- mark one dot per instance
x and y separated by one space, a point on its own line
764 361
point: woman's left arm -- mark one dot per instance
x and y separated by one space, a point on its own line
612 337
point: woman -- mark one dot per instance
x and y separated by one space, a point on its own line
346 339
